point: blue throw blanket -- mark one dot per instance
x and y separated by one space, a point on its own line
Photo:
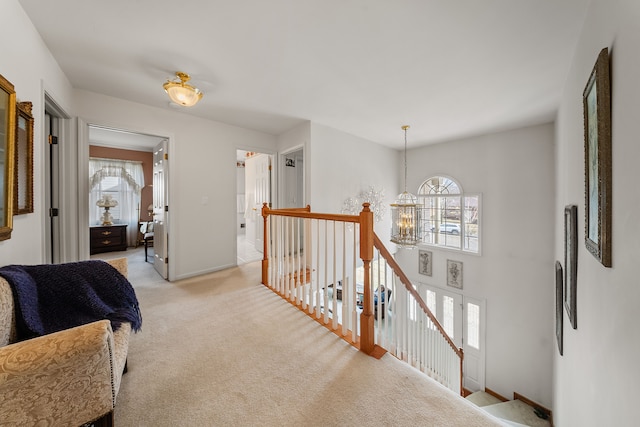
52 297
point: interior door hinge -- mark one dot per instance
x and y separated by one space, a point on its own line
166 208
53 140
166 156
166 260
54 212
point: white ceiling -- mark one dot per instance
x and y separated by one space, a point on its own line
448 68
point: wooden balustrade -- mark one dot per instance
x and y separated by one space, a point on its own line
447 346
311 260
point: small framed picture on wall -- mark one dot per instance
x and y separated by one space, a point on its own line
454 274
425 262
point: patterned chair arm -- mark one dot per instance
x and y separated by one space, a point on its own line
64 378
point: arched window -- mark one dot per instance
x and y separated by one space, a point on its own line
450 218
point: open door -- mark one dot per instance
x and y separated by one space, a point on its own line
160 209
258 191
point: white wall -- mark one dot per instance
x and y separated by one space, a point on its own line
202 189
342 165
513 171
27 63
596 379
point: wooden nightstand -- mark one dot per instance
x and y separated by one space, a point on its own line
108 238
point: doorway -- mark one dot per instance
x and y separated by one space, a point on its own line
463 318
292 178
60 235
254 187
129 149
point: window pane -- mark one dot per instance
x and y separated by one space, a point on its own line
471 213
447 315
431 305
439 185
473 325
111 185
431 301
449 218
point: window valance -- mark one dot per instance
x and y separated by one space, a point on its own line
128 170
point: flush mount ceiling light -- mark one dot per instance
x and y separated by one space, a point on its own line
181 92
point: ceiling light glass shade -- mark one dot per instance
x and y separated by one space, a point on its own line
181 92
405 220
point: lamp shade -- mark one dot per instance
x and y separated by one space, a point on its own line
181 92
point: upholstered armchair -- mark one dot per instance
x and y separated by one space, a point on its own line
69 378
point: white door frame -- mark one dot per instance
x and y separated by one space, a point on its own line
81 165
64 238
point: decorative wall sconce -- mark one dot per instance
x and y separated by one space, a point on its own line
373 196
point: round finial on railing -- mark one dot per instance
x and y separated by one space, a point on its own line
365 207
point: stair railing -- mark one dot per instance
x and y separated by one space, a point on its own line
335 269
413 333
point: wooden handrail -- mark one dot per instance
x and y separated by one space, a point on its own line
407 284
303 213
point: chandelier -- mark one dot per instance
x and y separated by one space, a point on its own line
181 92
405 212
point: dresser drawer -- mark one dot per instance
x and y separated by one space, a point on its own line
106 232
108 238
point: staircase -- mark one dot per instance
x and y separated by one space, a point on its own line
307 255
511 412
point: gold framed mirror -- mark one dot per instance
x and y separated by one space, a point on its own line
7 142
23 176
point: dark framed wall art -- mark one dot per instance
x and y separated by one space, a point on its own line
571 262
559 305
425 262
7 159
454 274
597 165
23 179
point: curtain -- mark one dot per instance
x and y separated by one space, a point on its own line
123 179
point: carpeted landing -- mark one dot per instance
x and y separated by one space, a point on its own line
512 412
223 350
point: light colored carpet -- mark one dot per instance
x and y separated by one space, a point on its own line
517 412
482 398
223 350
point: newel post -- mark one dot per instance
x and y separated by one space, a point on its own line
265 259
366 254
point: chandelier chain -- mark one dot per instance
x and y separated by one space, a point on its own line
405 127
